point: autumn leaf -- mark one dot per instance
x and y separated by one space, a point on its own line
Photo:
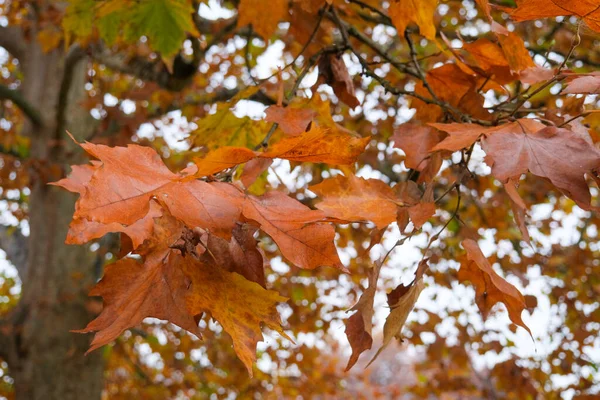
462 136
490 288
292 121
360 324
417 141
405 12
133 290
536 9
298 231
333 71
401 301
561 155
221 159
263 16
239 305
357 199
586 84
319 145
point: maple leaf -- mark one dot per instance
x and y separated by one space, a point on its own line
405 12
401 301
133 290
164 22
360 324
222 158
357 199
319 145
417 141
516 54
462 136
262 15
292 121
587 84
239 305
536 9
561 155
453 86
490 288
333 71
298 231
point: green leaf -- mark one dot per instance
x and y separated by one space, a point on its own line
79 18
163 22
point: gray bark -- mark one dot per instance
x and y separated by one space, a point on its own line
45 359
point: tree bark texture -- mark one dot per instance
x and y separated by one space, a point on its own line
45 359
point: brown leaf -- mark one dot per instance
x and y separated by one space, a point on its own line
462 136
490 288
360 324
333 71
560 155
417 141
401 300
239 305
587 84
421 213
253 169
133 290
298 231
292 121
357 199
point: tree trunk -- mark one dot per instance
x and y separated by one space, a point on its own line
48 361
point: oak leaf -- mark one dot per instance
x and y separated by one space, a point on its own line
417 141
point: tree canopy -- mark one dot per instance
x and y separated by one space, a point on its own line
296 169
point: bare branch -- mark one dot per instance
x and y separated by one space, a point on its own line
17 98
11 38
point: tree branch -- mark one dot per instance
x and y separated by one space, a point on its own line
17 98
11 38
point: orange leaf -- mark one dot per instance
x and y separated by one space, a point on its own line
134 290
319 145
490 288
239 305
297 230
420 12
417 141
357 199
561 155
292 121
221 159
262 15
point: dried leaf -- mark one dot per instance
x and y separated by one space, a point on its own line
357 199
333 71
560 155
490 288
292 121
401 300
